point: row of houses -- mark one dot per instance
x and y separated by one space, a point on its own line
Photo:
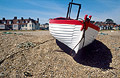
31 24
107 26
19 24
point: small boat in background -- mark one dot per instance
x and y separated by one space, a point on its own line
73 33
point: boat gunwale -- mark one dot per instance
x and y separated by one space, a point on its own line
73 22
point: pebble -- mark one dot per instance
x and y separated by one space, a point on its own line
2 74
26 45
28 74
61 64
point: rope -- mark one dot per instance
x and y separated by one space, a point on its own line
83 36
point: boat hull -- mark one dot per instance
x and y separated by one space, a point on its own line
71 34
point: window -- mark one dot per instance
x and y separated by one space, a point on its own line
26 25
18 21
30 25
30 21
15 26
22 25
10 22
2 26
4 22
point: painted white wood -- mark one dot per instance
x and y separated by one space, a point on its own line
70 35
90 35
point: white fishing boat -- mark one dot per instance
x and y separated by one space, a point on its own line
73 33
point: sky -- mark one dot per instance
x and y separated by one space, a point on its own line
46 9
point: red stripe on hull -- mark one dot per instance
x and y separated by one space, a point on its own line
73 22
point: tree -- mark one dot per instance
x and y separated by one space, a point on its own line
109 21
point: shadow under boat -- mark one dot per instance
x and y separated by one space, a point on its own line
95 54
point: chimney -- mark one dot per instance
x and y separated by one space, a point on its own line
15 17
21 18
3 18
38 20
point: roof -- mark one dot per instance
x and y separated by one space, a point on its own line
18 21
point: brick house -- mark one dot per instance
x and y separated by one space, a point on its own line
19 24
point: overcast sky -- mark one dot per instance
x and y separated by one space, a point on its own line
45 9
